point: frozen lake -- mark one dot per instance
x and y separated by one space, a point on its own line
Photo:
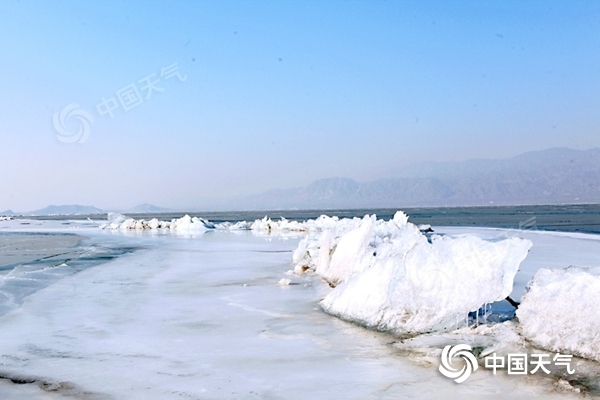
201 316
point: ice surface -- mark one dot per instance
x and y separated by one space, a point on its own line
560 311
31 261
197 318
26 247
202 316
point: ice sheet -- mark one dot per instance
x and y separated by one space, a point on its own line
27 247
199 319
203 316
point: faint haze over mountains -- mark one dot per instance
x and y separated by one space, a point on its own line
558 175
76 209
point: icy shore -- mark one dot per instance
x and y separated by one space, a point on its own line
264 225
215 316
390 276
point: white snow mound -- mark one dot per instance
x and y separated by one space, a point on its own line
389 277
559 311
260 226
185 223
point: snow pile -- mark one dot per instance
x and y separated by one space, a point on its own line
121 222
263 226
269 226
238 226
5 218
266 225
560 312
315 251
387 275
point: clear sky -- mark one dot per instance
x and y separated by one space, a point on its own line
276 94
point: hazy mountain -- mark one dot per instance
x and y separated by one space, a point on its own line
7 212
67 210
75 209
146 208
550 176
557 175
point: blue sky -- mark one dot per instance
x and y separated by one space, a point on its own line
280 93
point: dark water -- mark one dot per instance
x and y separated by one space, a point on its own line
568 218
44 263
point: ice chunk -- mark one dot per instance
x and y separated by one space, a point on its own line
265 226
431 286
114 221
560 312
349 254
185 223
389 277
238 226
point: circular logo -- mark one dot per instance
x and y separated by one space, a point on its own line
463 351
82 118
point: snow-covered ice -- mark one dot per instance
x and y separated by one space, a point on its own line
185 223
388 276
432 287
202 316
196 318
560 311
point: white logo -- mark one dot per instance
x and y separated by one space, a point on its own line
84 119
464 351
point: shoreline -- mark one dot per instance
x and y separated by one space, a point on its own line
584 218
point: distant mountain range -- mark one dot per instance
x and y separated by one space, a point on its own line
76 209
558 175
66 210
146 208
